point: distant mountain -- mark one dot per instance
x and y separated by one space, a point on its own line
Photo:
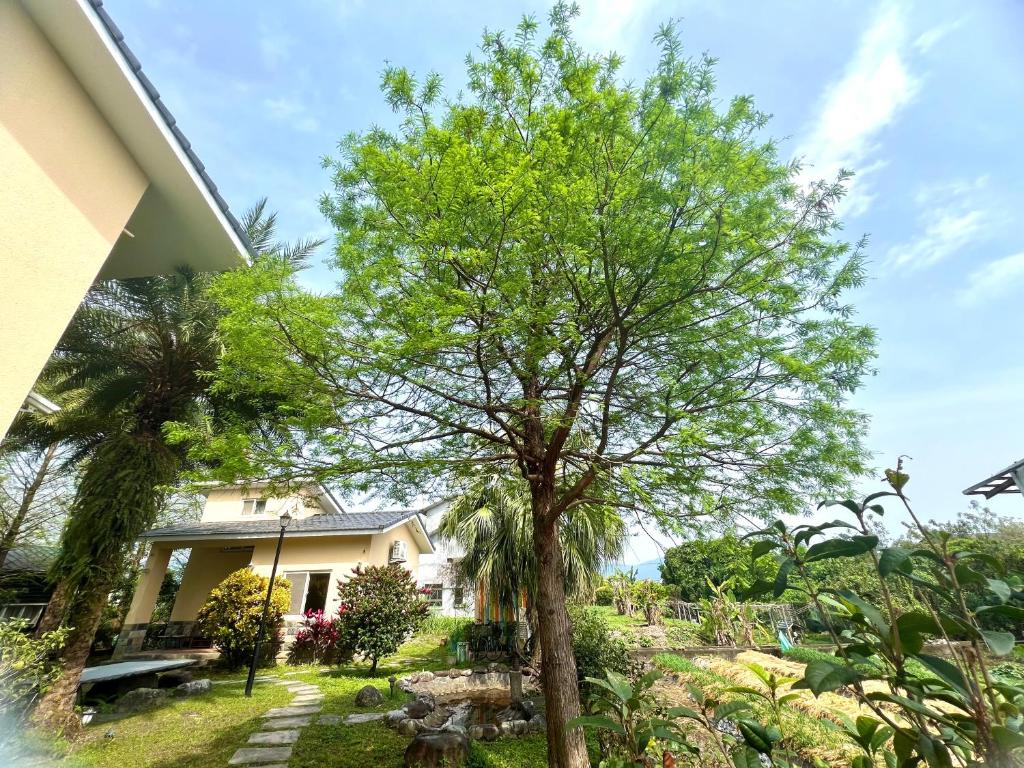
644 570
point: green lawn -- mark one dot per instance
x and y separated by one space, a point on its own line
206 730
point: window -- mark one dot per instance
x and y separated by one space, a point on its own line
309 591
434 594
459 597
254 506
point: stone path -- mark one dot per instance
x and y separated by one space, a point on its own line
272 746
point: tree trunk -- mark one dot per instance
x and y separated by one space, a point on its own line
56 609
10 536
566 748
56 709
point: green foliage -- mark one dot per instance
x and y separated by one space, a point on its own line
689 566
604 594
28 666
595 649
230 617
380 607
649 597
889 642
452 627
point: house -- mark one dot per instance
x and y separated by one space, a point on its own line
24 588
98 181
240 526
448 595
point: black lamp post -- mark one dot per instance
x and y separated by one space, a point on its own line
285 521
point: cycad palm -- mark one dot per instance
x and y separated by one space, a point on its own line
491 520
134 358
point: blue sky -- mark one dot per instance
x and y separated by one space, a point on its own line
924 100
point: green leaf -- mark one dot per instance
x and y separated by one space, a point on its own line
872 614
1000 589
1007 611
782 577
746 757
893 559
596 721
945 670
833 548
1000 643
1007 738
683 712
762 548
757 736
821 676
730 708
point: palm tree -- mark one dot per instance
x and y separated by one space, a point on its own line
491 520
133 359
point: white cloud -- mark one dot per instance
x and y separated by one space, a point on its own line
611 25
950 217
993 280
275 46
293 112
876 85
930 37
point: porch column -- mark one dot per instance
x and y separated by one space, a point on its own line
136 621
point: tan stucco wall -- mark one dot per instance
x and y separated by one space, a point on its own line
335 554
148 587
226 504
207 567
381 544
67 189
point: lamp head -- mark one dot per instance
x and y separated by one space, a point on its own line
286 519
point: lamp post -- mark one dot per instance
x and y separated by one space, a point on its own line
286 519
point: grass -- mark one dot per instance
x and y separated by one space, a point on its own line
206 730
679 633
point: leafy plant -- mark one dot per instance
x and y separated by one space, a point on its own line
649 597
230 617
604 594
982 715
622 586
316 641
380 607
629 713
28 667
594 647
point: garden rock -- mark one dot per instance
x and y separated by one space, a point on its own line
361 717
437 718
368 696
394 717
419 708
485 732
173 678
433 750
140 699
194 687
410 727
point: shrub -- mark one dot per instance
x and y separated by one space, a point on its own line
380 607
448 626
231 617
649 597
604 595
28 667
316 641
596 650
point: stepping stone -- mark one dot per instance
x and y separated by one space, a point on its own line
364 717
260 755
287 722
292 711
329 720
275 738
300 700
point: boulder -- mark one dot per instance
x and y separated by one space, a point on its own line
394 717
437 718
410 727
418 709
433 750
425 677
453 673
194 687
369 696
173 678
485 732
140 699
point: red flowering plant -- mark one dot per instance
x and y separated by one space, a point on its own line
316 640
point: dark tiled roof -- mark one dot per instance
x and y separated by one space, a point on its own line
136 66
351 522
30 557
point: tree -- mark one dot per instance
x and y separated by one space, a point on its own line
380 607
492 521
617 291
231 616
134 358
691 565
35 494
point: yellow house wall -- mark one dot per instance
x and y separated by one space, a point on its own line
68 188
226 504
207 567
148 588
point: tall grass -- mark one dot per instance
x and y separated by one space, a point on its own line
451 626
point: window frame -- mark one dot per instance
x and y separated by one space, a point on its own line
439 588
258 507
305 588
